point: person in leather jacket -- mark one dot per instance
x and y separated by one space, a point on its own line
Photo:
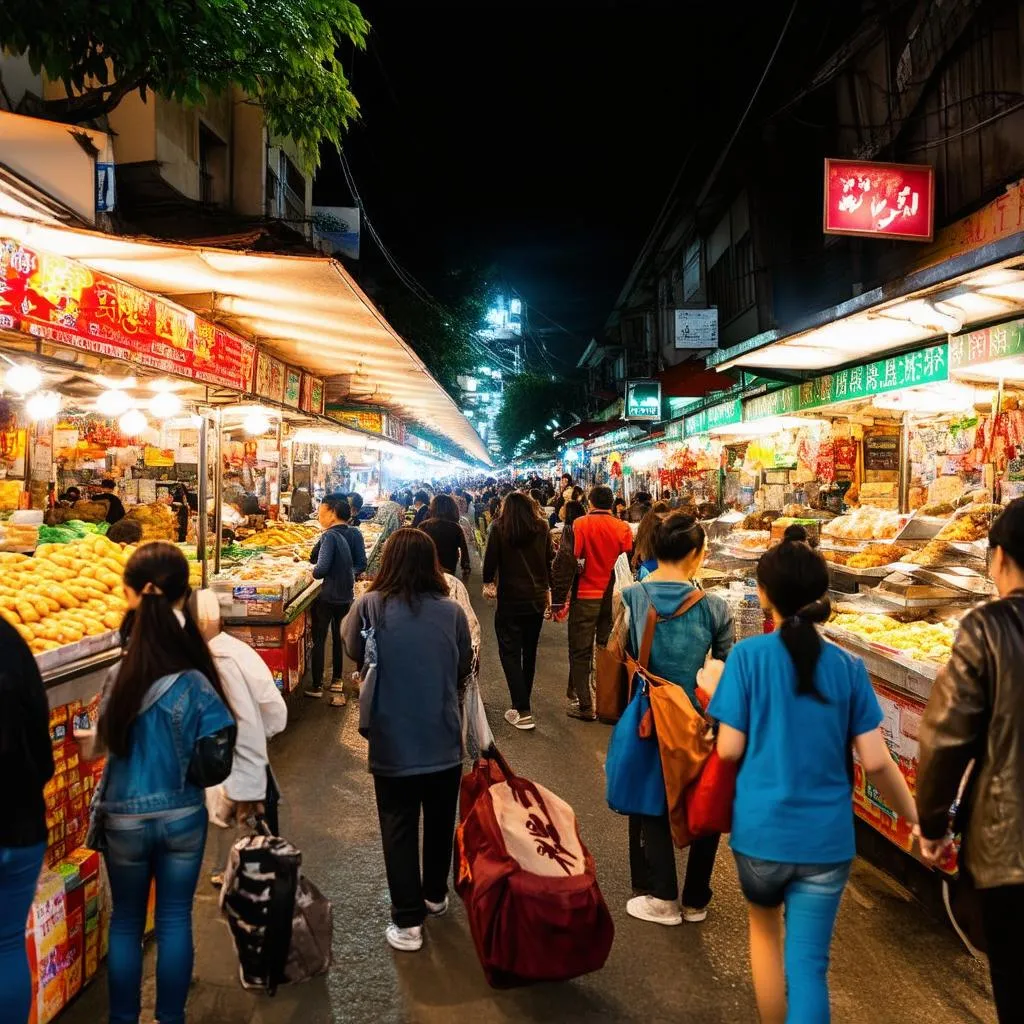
976 714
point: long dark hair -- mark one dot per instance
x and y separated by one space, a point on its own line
155 643
643 546
409 568
795 578
520 520
675 536
444 507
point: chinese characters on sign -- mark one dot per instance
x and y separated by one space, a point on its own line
986 345
643 400
924 366
59 300
888 200
715 416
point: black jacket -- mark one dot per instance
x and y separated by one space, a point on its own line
450 541
523 573
26 754
976 712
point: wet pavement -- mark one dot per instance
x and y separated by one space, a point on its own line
892 962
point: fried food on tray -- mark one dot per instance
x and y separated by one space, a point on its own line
876 555
864 524
922 641
972 525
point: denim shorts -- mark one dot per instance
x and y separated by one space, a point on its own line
764 882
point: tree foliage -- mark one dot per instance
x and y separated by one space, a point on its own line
282 53
531 402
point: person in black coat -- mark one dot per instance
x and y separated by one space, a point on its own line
26 765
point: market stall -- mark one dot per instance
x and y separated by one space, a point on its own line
897 469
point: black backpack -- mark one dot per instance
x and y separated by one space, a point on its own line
280 922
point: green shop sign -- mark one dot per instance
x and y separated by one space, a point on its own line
719 415
643 400
987 345
912 369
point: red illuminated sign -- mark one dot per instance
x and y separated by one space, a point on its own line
63 301
881 200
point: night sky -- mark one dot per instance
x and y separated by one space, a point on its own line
538 140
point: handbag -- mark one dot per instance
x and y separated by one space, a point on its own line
710 797
529 884
634 783
368 679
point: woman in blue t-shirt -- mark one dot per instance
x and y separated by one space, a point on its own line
790 705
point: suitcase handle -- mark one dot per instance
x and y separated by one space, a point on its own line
521 788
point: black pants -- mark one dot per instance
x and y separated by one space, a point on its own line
1002 910
652 862
327 616
398 807
589 620
518 636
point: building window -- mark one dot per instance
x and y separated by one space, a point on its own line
691 270
731 283
294 192
213 166
271 202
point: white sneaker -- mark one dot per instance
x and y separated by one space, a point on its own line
523 722
437 909
647 908
694 916
408 940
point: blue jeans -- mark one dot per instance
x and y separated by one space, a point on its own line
168 849
811 894
19 872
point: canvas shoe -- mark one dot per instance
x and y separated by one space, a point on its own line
437 909
316 692
647 908
338 686
581 714
524 722
694 916
406 940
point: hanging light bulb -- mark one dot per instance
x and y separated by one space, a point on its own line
22 378
326 458
256 423
165 404
113 403
133 423
43 405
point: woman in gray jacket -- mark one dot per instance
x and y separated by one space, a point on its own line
424 652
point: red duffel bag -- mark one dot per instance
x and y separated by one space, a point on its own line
528 882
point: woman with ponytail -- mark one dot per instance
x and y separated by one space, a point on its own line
164 720
791 705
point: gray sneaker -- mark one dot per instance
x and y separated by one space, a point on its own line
582 714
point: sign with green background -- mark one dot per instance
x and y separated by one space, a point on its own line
643 400
987 345
912 369
718 415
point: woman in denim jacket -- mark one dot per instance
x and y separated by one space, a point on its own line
680 646
161 701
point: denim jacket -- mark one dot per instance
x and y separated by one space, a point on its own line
680 645
176 711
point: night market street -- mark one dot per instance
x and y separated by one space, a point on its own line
892 962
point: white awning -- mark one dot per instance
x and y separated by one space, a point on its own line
307 310
960 294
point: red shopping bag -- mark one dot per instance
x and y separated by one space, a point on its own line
710 796
529 884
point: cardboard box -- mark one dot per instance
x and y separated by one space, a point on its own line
260 638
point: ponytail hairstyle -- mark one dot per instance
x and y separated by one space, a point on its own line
156 644
794 577
676 536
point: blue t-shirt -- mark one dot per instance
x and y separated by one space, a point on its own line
793 792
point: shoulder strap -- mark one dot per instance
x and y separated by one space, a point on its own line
653 618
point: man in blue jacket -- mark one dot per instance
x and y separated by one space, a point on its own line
338 557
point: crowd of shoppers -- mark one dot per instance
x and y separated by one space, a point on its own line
789 708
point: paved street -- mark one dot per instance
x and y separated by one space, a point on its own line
892 963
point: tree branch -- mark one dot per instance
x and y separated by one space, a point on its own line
93 103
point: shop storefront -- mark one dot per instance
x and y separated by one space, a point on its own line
122 410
